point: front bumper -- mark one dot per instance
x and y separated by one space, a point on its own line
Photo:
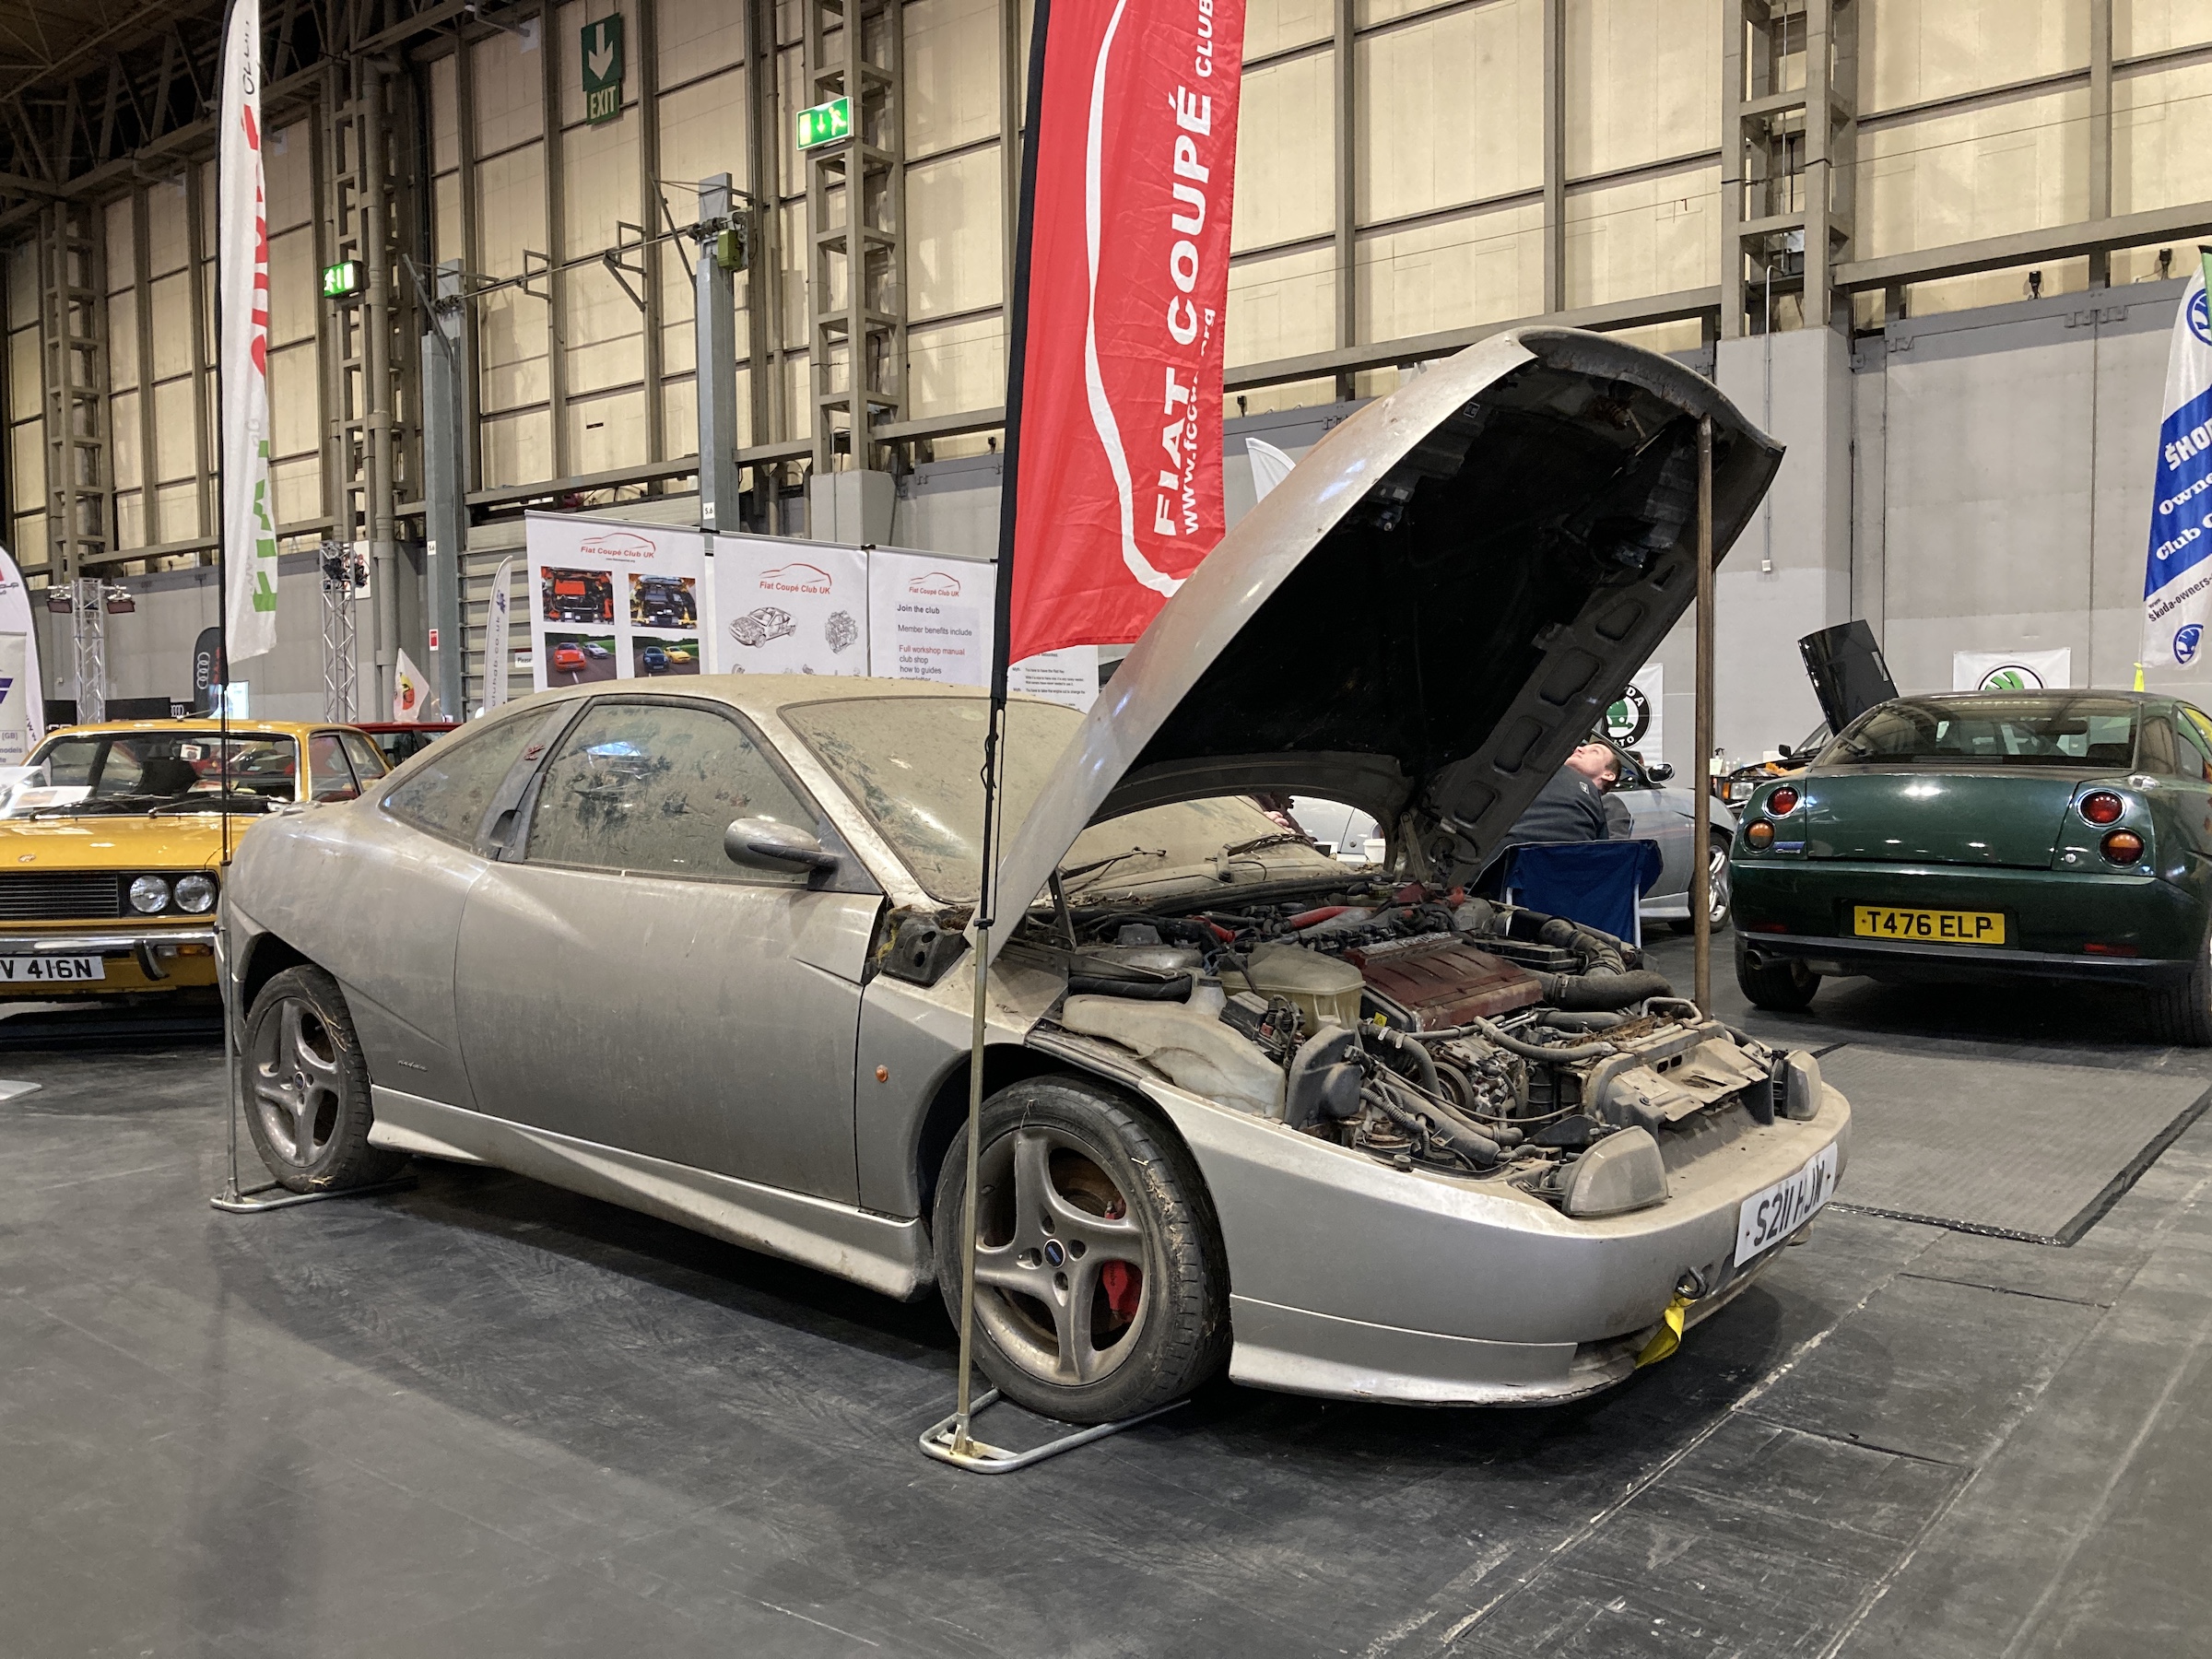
134 959
1352 1280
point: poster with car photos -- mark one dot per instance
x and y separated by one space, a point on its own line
784 607
610 599
929 617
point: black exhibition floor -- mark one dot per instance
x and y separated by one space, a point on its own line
482 1417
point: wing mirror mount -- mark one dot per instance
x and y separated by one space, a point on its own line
769 845
1659 773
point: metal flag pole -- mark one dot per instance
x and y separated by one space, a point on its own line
952 1441
232 1199
1700 881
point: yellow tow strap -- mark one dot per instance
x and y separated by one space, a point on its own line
1668 1336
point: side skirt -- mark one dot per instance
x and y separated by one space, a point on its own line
880 1252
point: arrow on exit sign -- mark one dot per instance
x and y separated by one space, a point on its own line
602 51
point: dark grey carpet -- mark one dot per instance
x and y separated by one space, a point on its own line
2023 1152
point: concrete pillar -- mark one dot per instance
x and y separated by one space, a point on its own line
851 507
444 473
714 336
1790 571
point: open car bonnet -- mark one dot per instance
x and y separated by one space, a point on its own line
1429 612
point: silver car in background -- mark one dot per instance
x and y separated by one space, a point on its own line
706 952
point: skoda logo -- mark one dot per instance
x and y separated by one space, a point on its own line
2011 676
2185 641
1627 717
2200 320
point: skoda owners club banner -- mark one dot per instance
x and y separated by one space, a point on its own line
249 544
2177 581
1119 423
612 600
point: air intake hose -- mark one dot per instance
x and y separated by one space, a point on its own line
1576 992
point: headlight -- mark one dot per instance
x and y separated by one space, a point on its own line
150 895
197 894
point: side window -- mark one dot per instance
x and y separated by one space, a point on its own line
328 775
2195 746
2154 750
368 760
651 787
449 793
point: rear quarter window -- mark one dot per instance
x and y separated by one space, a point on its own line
449 790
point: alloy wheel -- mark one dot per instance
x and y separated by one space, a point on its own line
1059 1264
1716 881
296 1083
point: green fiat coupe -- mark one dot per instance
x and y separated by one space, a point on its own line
1983 836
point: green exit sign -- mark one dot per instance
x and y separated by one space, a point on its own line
825 123
344 280
602 59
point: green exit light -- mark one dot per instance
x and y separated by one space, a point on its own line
344 280
825 123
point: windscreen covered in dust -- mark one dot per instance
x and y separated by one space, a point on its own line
914 766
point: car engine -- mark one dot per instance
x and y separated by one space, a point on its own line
1430 1031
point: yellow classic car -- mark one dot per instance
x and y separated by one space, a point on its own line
111 844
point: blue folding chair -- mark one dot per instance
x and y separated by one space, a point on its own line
1598 884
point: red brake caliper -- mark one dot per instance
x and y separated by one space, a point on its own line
1122 1283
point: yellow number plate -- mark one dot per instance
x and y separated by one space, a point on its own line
1938 927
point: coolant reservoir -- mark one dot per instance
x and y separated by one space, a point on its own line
1320 987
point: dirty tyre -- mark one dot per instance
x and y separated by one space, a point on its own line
307 1087
1785 986
2181 1014
1100 1287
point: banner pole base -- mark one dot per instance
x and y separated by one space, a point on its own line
250 1202
953 1440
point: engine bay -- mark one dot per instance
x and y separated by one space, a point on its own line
1430 1031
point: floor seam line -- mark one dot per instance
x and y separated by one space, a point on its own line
1967 1284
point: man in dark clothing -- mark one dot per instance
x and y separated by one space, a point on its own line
1573 807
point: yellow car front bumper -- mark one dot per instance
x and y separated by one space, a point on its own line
132 959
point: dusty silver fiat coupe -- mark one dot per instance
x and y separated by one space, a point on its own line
706 952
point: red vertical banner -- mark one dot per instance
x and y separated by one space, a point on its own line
1116 402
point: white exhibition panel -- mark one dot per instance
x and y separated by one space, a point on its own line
782 607
612 599
786 607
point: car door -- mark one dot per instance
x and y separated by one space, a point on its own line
409 869
621 982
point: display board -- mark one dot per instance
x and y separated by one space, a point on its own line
782 607
22 691
612 600
929 617
1637 718
1068 676
2012 671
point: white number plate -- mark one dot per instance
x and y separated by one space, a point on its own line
50 969
1769 1217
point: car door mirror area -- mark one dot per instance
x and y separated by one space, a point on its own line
1659 771
763 843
